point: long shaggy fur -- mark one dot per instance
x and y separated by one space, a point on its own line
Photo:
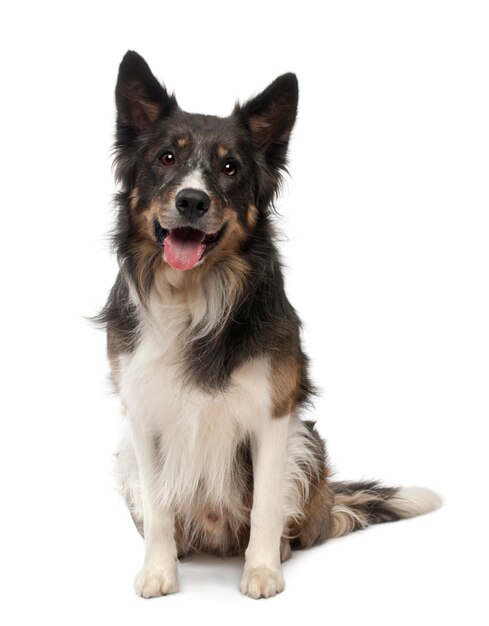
201 357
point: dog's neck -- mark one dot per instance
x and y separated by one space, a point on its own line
200 300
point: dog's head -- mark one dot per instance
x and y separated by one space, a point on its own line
197 185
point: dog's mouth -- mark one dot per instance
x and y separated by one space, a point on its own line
185 247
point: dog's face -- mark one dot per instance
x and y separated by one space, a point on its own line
198 184
194 190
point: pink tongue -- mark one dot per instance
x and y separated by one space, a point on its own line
184 248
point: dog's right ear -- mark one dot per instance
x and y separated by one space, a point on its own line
141 100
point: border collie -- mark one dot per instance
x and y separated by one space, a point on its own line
205 348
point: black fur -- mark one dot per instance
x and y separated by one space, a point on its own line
257 134
120 317
262 321
374 511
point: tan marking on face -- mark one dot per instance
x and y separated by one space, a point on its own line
286 375
234 226
227 250
182 142
143 218
231 239
252 216
226 255
222 152
148 257
146 254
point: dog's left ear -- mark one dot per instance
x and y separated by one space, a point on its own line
270 116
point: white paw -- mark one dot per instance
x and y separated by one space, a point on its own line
152 582
262 582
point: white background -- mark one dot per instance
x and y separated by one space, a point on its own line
386 240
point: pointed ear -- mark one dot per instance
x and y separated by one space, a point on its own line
140 98
270 116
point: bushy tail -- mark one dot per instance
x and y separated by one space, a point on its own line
360 504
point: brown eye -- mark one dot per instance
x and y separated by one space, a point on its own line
230 168
167 158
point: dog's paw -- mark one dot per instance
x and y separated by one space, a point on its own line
152 582
262 582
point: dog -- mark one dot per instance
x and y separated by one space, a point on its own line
205 348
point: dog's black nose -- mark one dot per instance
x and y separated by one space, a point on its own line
192 203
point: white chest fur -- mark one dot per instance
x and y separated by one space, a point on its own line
197 434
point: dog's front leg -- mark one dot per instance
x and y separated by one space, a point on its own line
158 576
262 575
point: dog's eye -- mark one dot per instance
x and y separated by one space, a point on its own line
167 158
230 168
